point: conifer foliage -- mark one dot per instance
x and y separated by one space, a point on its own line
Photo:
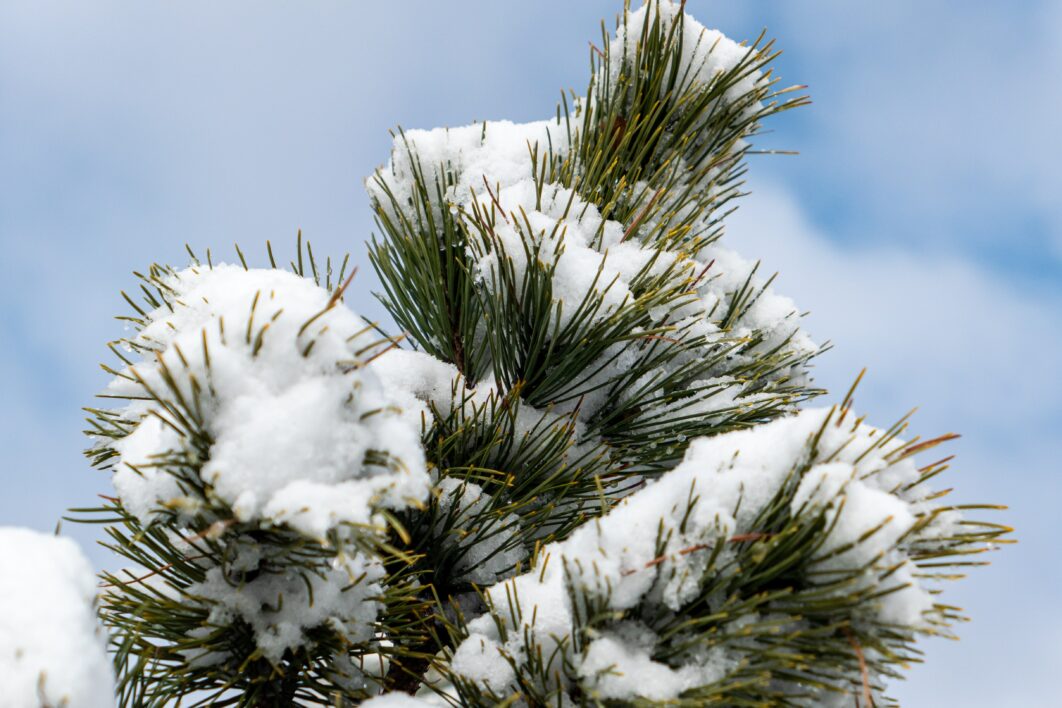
583 473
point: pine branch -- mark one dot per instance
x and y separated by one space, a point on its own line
591 469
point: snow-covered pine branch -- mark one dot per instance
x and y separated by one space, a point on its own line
773 566
256 459
586 480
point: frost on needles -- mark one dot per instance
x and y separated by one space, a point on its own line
584 475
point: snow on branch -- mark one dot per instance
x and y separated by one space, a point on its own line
587 480
256 460
259 376
788 530
579 259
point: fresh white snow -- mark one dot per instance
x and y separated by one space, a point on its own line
259 382
280 608
616 560
489 182
52 651
300 433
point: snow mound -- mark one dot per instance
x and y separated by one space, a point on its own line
257 380
52 651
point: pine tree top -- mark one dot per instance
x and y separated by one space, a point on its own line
581 470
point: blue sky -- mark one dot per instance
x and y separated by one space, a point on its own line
920 225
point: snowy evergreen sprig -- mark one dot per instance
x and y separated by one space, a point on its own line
257 465
586 481
792 564
504 256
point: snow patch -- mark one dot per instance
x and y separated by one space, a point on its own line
52 651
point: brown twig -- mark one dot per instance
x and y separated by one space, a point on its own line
158 570
495 199
703 272
641 215
394 344
938 463
740 538
919 447
868 697
342 288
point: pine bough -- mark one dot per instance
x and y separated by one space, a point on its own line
588 480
